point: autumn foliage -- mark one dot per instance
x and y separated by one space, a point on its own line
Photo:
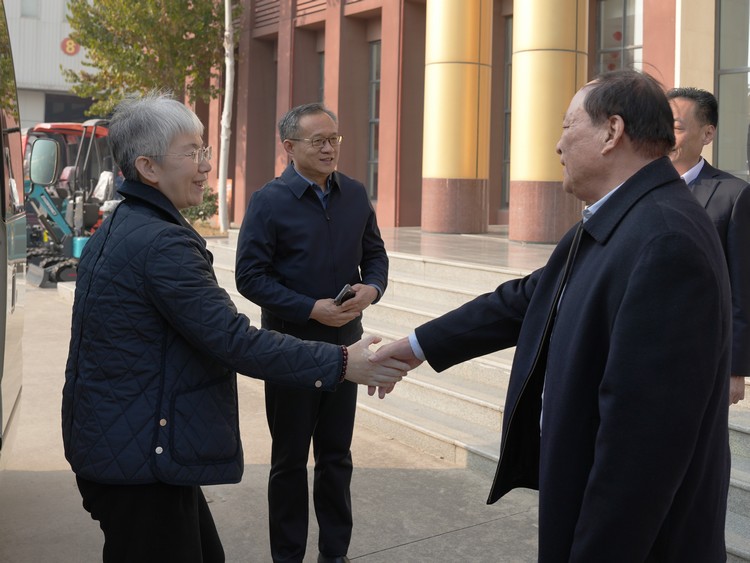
174 45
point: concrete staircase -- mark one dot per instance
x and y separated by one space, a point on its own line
738 510
457 414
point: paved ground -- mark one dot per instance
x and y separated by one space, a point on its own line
408 507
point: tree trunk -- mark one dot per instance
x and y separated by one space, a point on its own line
226 115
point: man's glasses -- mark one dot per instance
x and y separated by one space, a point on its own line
319 142
197 155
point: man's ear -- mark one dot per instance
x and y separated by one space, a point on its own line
288 145
615 129
146 170
709 132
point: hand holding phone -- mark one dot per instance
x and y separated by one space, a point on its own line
345 294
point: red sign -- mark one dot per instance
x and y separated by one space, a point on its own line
69 47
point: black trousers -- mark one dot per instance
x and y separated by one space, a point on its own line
153 523
295 417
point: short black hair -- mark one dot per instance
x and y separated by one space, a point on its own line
706 106
639 100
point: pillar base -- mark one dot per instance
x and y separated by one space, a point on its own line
541 212
454 205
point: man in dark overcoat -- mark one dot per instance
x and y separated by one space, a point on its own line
617 405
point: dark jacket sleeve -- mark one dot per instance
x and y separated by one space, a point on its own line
183 287
374 265
489 323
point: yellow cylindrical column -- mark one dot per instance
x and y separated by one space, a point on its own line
455 162
550 43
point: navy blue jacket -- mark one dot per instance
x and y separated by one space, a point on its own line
292 251
632 463
150 389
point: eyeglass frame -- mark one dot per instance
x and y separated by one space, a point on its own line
321 140
205 154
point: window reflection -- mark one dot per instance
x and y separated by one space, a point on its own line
619 34
374 121
732 145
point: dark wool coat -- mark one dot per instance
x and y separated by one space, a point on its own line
150 388
632 463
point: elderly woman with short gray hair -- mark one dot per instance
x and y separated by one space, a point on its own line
150 408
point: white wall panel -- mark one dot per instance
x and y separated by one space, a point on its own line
37 46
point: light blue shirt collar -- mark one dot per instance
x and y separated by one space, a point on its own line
692 174
328 180
589 210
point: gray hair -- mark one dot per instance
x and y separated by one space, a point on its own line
146 126
289 122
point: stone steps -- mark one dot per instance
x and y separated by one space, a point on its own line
457 414
738 503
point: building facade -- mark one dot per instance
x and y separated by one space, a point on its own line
40 37
451 109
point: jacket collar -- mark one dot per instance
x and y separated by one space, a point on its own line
653 175
706 183
297 183
134 190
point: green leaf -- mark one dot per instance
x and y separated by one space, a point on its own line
134 47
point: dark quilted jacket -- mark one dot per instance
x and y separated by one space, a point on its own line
150 385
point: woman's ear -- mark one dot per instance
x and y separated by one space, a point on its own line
148 170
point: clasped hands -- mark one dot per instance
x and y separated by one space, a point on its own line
382 369
326 312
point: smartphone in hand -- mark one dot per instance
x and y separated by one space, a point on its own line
346 293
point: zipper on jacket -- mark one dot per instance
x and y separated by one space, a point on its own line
546 337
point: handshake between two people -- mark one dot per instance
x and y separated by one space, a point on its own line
382 369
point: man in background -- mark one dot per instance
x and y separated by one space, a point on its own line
726 199
304 237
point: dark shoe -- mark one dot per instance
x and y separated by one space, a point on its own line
325 559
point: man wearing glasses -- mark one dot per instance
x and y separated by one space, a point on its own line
307 234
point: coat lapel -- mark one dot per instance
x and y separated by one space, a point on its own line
705 184
657 173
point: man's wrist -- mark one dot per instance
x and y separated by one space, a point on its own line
415 347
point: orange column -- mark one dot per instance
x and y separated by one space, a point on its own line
550 41
455 161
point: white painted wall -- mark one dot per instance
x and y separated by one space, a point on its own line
31 106
36 43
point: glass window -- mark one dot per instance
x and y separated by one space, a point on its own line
733 34
732 144
620 34
65 107
374 121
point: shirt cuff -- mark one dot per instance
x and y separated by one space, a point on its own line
377 288
415 347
